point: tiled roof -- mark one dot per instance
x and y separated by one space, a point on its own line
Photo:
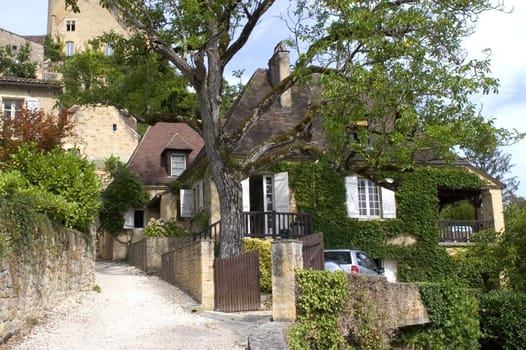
39 39
274 121
29 81
147 158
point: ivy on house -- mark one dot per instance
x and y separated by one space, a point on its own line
320 190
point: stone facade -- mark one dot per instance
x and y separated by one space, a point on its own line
15 41
146 253
28 289
100 132
191 268
29 93
78 28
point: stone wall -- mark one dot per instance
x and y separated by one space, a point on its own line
191 268
146 253
32 285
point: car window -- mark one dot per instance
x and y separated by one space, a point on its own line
339 257
365 261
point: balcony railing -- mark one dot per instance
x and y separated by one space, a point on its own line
273 224
268 224
453 231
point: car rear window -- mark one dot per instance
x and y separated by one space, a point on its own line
339 257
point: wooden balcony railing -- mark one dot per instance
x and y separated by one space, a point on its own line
452 231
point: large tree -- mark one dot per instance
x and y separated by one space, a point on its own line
399 63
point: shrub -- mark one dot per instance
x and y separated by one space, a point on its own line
454 319
265 263
61 183
502 320
160 228
320 300
125 191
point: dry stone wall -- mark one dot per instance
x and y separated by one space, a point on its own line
32 285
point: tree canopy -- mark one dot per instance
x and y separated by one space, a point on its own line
17 63
398 65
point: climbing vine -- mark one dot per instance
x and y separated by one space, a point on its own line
320 190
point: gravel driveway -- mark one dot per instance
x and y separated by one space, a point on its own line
133 311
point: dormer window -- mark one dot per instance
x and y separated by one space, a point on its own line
178 163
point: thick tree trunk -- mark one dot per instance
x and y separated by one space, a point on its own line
228 182
230 202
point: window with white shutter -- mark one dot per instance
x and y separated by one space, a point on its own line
364 199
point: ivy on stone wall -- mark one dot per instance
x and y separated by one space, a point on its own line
320 190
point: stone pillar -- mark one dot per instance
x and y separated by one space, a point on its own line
207 274
286 257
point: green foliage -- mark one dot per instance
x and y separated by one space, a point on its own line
54 48
403 75
133 78
22 227
320 190
265 262
454 319
124 192
320 300
512 249
458 211
502 320
61 184
17 64
160 228
480 265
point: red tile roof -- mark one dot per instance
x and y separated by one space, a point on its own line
147 159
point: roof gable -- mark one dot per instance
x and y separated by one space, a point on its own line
147 159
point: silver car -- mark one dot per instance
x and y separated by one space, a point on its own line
351 261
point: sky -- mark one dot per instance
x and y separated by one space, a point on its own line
502 33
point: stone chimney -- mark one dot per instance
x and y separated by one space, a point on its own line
279 66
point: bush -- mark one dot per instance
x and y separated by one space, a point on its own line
160 228
502 320
125 191
265 263
320 300
454 319
64 186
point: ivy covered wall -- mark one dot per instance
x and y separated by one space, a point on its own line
320 190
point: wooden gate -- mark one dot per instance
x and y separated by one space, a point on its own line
236 282
313 252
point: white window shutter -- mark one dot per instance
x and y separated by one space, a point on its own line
200 194
129 218
187 203
281 192
388 204
33 104
351 189
245 185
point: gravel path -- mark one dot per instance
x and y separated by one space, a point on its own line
132 311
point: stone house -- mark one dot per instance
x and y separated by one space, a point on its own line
19 93
35 42
99 132
267 191
164 152
76 29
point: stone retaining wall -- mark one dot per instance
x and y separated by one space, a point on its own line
32 285
191 268
146 253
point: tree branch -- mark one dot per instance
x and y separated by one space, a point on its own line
247 30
